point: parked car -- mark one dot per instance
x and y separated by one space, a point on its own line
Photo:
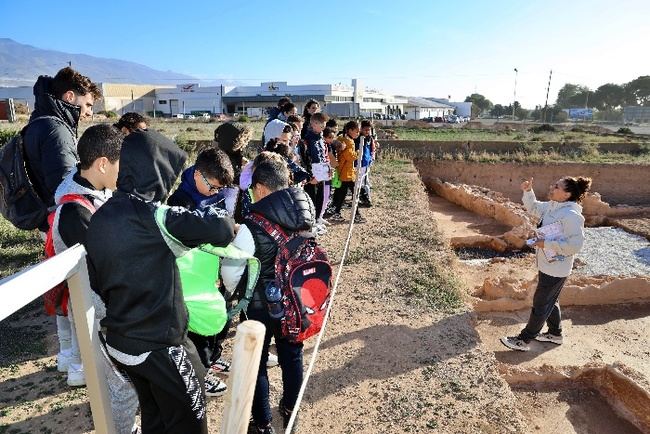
190 117
179 116
438 119
453 119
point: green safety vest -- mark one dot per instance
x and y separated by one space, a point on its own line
199 269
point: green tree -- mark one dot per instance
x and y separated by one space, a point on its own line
480 104
639 88
608 96
569 94
498 110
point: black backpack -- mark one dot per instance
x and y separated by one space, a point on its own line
19 202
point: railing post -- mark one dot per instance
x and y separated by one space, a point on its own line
86 329
247 351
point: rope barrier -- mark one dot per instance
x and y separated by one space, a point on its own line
312 361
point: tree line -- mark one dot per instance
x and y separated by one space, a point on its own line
608 99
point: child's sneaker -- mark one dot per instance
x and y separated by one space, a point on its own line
548 337
214 386
272 361
322 221
337 217
76 377
358 218
254 429
515 343
286 416
221 367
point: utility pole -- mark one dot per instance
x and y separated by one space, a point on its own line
547 89
514 101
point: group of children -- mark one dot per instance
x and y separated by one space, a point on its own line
110 205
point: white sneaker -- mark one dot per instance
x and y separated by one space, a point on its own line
76 377
547 337
322 221
214 386
63 360
272 361
515 343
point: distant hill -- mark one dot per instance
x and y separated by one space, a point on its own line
21 64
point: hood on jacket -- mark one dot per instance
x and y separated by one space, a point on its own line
149 165
47 104
70 186
290 208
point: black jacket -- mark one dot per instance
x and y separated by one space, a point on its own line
129 264
50 144
290 208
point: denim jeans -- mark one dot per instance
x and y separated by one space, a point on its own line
290 359
546 308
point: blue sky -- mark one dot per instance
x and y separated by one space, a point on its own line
423 48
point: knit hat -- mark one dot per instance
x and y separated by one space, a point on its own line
274 129
232 136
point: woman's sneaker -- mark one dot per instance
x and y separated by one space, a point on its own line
214 386
548 337
221 367
515 343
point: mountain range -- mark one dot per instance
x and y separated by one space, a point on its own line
21 64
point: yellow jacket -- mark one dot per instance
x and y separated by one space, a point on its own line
346 159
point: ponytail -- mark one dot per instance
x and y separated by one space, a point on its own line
577 187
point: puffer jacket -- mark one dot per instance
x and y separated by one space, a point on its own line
346 159
50 142
293 211
130 265
569 214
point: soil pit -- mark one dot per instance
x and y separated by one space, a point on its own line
568 411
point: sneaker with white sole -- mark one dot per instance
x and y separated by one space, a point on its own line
515 343
76 376
322 221
272 361
337 217
214 386
548 337
221 367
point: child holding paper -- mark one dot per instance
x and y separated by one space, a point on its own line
562 210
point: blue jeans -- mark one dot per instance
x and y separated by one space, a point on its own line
290 359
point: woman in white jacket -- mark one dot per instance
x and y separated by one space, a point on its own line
554 256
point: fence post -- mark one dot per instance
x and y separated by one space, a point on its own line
247 350
86 329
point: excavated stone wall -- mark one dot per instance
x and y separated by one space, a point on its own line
617 183
625 390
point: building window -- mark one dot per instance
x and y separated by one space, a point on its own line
162 101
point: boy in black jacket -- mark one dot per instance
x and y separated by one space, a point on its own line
134 271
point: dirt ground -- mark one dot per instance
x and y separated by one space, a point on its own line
400 353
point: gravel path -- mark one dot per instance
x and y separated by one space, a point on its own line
614 252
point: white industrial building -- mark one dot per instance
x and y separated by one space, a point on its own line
336 99
421 108
191 98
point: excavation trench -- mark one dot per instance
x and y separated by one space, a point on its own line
580 399
606 309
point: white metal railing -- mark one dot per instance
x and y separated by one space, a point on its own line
21 288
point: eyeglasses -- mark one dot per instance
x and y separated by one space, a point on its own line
557 186
212 188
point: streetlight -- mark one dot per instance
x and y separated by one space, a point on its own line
514 102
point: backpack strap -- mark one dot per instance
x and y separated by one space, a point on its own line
79 199
274 230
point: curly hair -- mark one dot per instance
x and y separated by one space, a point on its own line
577 187
68 79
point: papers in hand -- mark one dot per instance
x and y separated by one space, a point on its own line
550 232
321 171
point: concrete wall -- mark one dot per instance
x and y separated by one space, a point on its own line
420 148
617 183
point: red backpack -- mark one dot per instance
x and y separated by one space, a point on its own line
59 295
304 275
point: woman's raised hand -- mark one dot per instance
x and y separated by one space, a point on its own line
527 185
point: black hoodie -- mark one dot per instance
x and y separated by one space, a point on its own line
129 264
50 143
